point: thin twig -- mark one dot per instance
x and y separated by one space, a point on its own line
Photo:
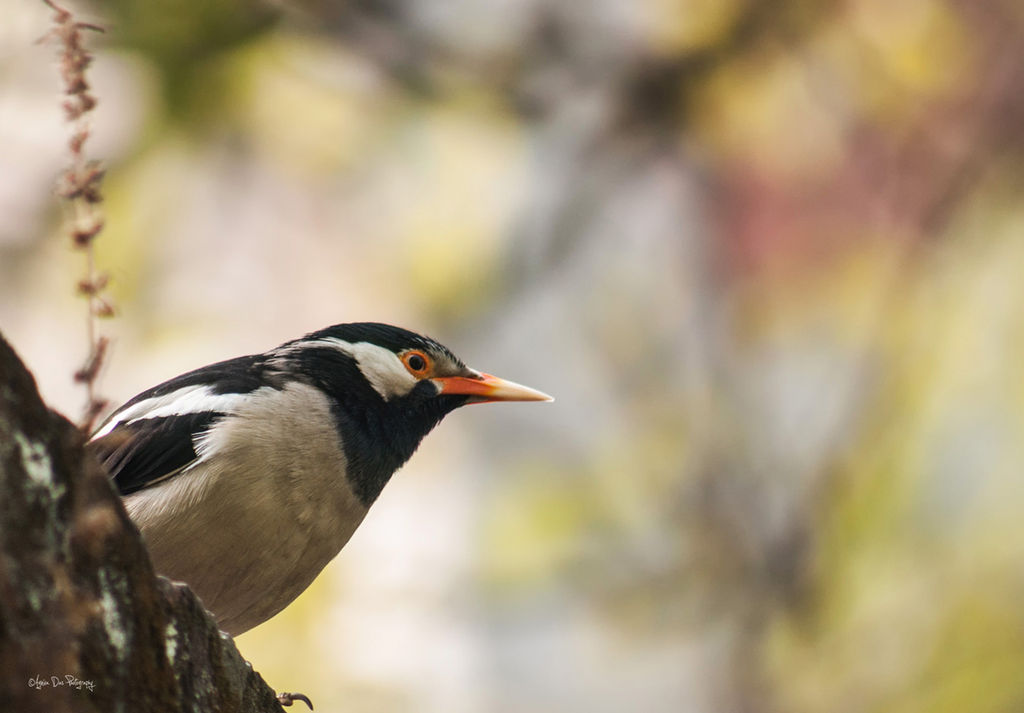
80 189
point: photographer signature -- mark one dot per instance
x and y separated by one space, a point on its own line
68 681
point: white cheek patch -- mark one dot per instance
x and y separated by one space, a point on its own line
189 399
384 370
381 367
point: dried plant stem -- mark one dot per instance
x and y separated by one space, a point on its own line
80 189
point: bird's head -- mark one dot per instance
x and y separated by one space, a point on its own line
390 387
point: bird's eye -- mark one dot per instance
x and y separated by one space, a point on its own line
416 362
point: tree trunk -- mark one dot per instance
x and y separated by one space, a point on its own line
85 624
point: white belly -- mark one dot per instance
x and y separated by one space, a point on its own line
267 506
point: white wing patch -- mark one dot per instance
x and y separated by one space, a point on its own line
188 399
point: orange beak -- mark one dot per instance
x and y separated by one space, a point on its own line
485 388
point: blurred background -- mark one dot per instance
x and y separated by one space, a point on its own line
768 256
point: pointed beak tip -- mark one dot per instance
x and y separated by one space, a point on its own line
487 388
504 390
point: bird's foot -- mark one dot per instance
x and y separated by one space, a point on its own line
286 699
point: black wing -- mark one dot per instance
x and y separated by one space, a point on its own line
144 450
234 376
141 453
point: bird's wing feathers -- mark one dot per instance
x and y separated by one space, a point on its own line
140 453
233 376
152 436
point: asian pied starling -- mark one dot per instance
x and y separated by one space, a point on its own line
247 477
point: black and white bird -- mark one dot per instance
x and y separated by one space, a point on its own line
247 477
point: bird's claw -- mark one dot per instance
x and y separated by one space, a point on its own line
286 699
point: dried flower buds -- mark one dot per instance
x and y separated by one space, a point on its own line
80 189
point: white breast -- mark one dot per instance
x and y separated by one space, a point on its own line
264 509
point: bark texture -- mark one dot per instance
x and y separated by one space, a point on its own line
85 624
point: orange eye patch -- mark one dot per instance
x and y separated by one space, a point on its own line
417 362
